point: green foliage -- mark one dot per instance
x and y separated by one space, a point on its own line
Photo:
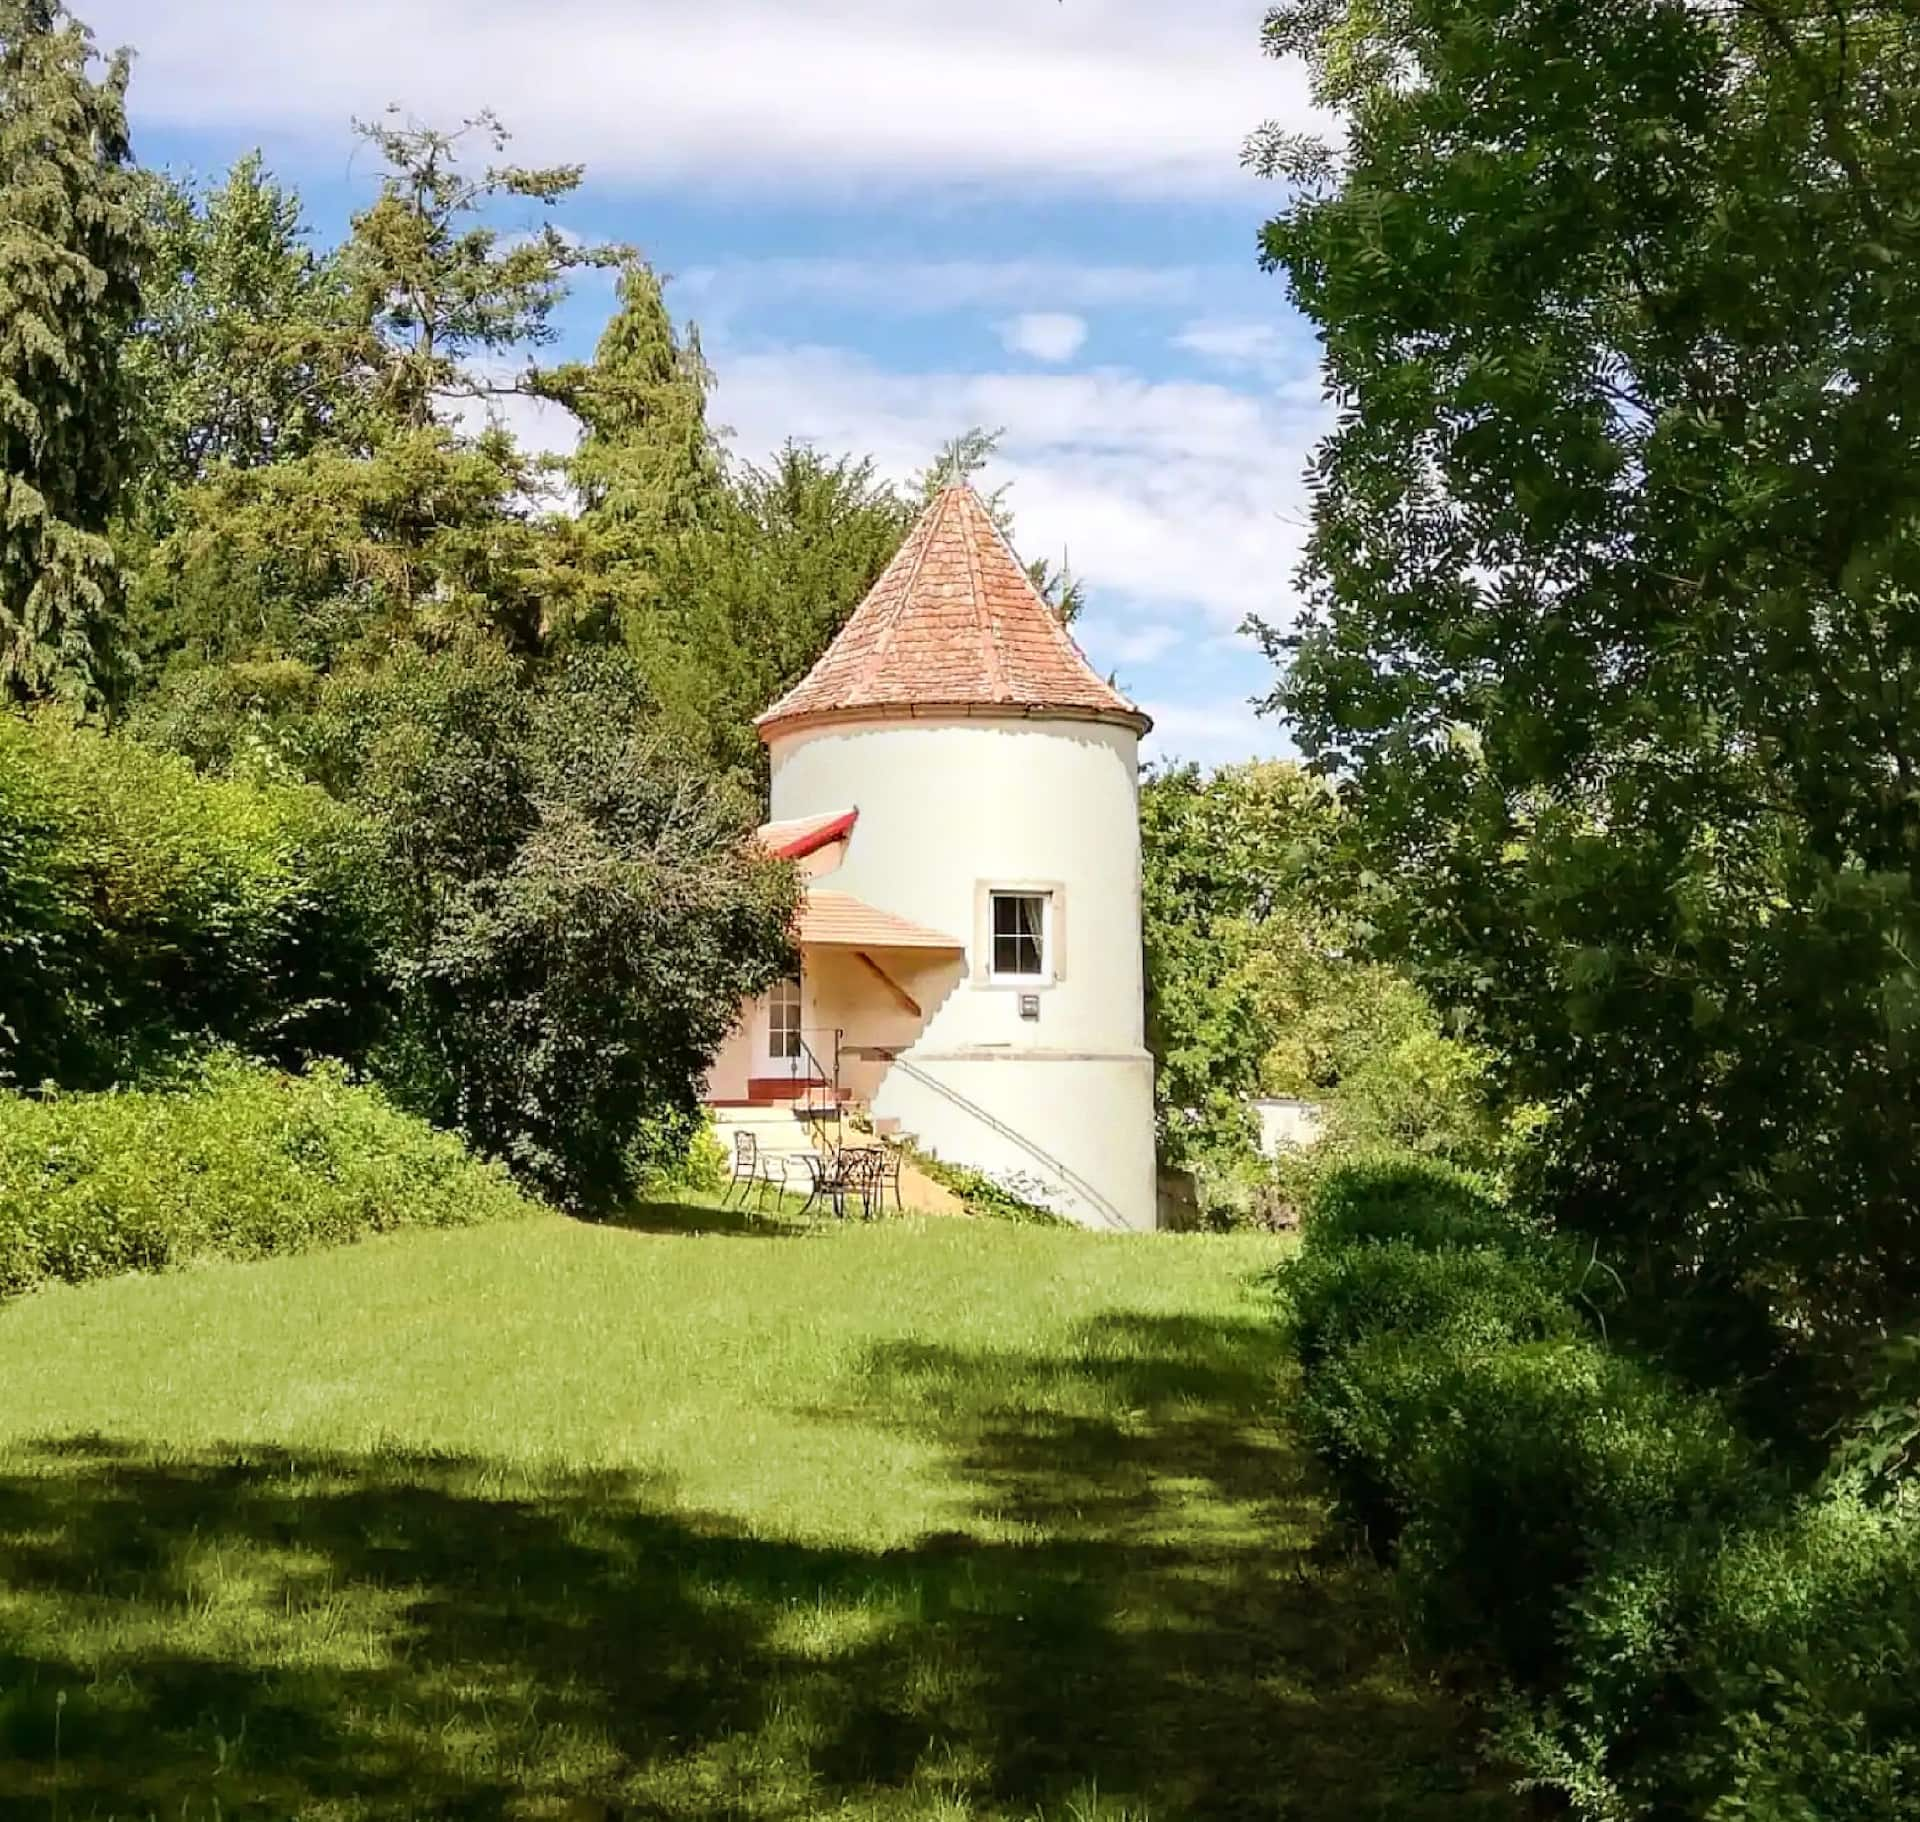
443 289
337 554
1674 1631
144 910
1259 983
988 1198
648 469
748 599
1615 613
242 1163
581 911
70 247
247 351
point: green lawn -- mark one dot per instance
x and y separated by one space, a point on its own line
936 1519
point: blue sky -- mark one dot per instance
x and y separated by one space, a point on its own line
891 219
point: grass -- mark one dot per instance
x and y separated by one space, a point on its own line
699 1518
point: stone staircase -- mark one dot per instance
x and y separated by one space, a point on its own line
788 1128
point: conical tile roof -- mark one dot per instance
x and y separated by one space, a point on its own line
953 625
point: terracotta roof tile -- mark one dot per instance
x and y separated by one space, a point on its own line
954 623
839 920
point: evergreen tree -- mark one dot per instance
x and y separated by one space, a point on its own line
70 246
451 297
247 351
647 471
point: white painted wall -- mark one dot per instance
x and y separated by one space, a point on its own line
1287 1124
948 805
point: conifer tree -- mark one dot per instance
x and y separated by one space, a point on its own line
647 458
70 240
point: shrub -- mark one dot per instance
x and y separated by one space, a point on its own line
1393 1196
1465 1298
144 910
1675 1632
245 1162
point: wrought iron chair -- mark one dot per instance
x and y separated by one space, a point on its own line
891 1177
866 1177
746 1167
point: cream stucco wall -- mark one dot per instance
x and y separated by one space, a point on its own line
949 806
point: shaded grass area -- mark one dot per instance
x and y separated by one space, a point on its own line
921 1520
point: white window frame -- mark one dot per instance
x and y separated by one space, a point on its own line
1008 978
779 1002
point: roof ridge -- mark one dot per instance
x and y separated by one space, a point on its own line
990 633
1054 621
930 521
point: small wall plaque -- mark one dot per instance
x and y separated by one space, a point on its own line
1029 1005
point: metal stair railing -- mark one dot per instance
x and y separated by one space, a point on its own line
826 1131
1070 1178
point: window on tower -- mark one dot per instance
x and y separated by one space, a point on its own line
1021 933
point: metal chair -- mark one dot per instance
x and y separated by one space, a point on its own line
867 1178
746 1166
890 1178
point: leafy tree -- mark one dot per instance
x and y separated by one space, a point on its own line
448 292
751 596
589 912
1616 605
70 248
579 911
339 551
145 911
1259 981
392 524
647 471
247 351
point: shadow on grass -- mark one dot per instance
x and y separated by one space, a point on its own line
738 1221
1138 1621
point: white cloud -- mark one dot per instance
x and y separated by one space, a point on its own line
925 287
1045 335
1169 492
1143 644
1233 343
1213 732
760 93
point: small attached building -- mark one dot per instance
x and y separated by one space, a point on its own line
961 789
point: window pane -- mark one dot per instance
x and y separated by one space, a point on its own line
1019 933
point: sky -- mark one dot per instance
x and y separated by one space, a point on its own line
891 220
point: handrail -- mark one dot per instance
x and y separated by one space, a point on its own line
1074 1181
818 1074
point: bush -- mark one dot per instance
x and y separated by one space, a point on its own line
1674 1631
1464 1298
244 1163
1392 1196
144 910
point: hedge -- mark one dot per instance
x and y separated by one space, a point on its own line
1662 1624
244 1163
145 912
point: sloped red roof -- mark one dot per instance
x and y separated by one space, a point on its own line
839 920
799 836
953 624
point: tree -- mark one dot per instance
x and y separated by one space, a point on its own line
247 350
750 598
647 471
588 911
1259 981
1615 621
451 297
393 521
70 249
